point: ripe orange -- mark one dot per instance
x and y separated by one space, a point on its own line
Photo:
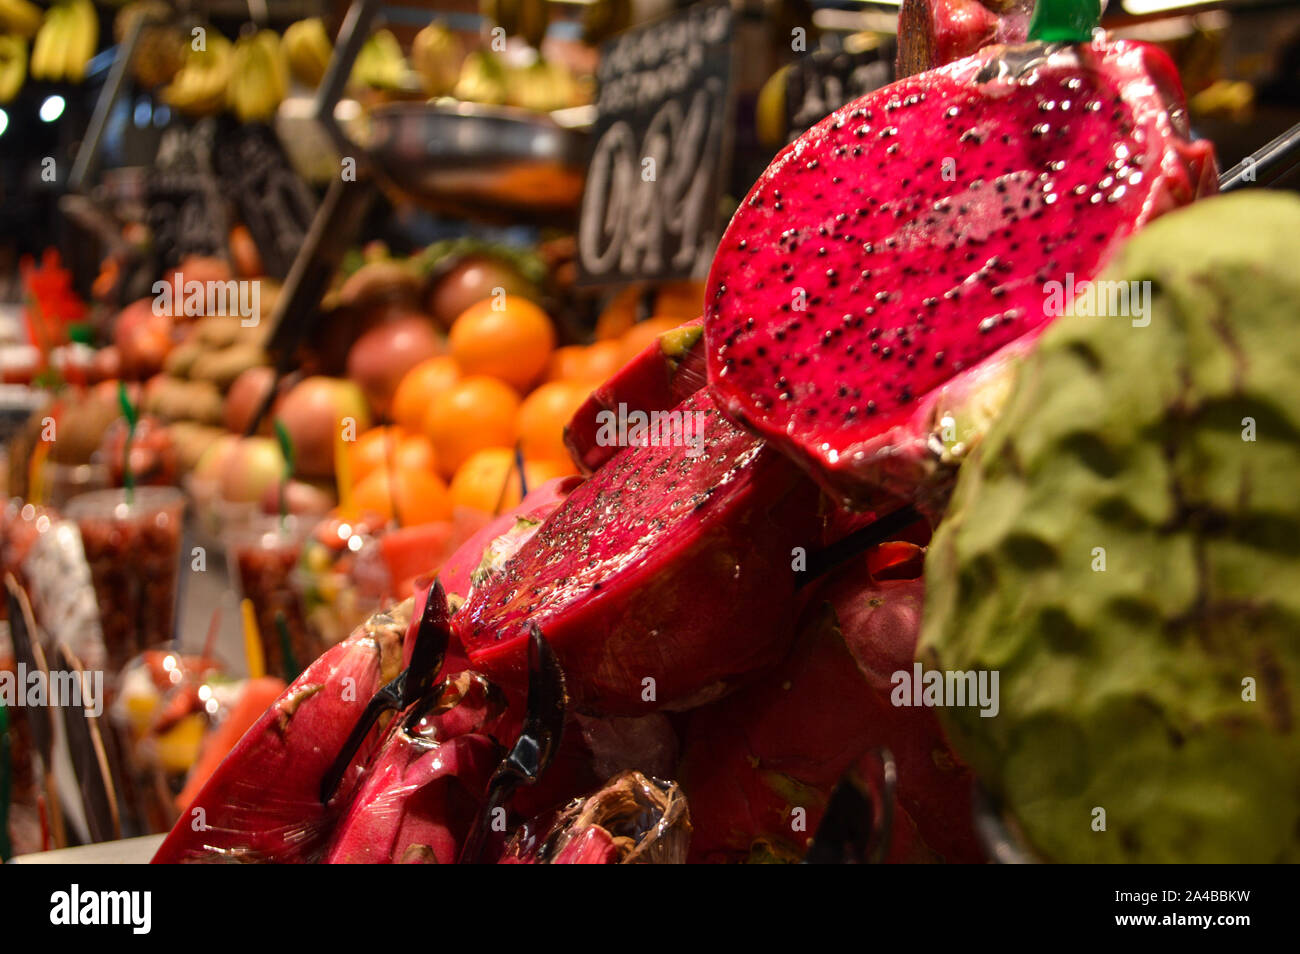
509 338
420 496
639 336
603 359
419 386
474 413
682 300
567 364
409 452
489 481
543 415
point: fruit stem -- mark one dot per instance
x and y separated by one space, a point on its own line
128 475
286 451
1065 21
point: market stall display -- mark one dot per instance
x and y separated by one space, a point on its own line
903 504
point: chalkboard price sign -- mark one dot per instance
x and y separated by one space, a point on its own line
270 198
660 152
824 80
186 213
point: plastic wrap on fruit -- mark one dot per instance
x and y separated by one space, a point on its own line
483 554
632 819
425 789
662 375
760 765
263 804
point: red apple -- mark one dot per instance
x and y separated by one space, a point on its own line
253 466
383 355
314 412
143 339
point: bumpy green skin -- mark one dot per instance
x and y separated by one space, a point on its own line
1123 689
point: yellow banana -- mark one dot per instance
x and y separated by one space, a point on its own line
308 49
200 87
81 38
13 66
20 17
45 50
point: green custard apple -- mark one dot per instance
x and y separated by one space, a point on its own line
1123 548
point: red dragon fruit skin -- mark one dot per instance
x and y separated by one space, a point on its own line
665 565
934 32
910 236
666 372
457 571
263 804
418 802
783 741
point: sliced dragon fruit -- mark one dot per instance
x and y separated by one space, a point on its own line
782 742
666 372
664 576
263 803
932 33
915 232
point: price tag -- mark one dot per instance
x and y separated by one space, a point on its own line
186 213
822 81
270 198
661 150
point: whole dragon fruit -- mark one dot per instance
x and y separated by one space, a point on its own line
263 802
934 32
913 234
425 787
760 765
659 580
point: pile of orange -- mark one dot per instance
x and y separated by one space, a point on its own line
458 418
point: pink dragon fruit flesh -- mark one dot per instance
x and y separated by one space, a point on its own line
915 232
659 580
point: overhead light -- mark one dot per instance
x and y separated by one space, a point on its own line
52 108
1142 7
4 122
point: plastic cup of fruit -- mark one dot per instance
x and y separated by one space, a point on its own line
133 550
263 554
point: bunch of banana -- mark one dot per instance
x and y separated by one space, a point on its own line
66 41
436 54
380 63
13 66
160 52
260 77
307 47
542 86
199 88
525 18
482 79
20 17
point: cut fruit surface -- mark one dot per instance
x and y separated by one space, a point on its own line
915 232
660 578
